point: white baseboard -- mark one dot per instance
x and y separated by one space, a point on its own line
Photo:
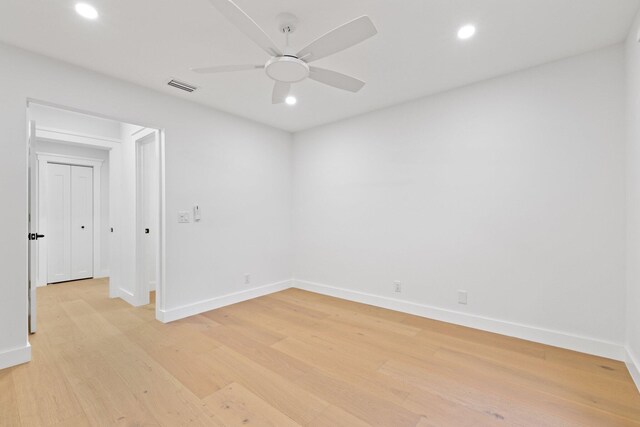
633 364
531 333
15 356
102 274
127 296
178 313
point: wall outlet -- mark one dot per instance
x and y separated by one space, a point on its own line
462 297
184 217
397 287
247 279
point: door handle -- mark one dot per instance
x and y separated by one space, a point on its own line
34 236
146 231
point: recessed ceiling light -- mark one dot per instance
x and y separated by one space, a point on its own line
466 32
86 11
291 100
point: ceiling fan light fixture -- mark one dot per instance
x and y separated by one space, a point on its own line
285 66
287 69
291 100
86 11
466 32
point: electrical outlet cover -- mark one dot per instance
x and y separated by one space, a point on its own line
184 217
462 297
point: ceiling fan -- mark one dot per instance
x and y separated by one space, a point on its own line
286 66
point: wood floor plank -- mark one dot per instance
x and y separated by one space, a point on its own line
162 394
363 403
103 395
605 368
235 406
334 416
252 330
272 359
186 364
366 337
288 397
341 366
296 358
513 403
437 410
351 316
43 394
9 414
588 390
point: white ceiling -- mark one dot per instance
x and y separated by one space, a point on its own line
416 52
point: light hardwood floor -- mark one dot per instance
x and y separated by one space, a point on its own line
296 358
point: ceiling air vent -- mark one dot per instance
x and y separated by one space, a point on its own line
182 86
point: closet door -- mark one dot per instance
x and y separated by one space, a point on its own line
81 222
58 220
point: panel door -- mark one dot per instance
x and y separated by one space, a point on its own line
81 222
58 223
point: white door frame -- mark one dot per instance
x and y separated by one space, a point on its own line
114 147
141 137
44 159
111 146
32 212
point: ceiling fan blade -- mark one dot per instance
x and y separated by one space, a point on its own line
226 69
335 79
280 92
343 37
247 25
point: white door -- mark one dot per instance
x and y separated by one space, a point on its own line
149 198
69 222
81 222
58 233
33 228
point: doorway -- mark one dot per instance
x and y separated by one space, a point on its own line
95 204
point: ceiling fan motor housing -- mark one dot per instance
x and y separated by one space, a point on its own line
287 69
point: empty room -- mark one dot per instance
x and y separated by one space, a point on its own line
417 213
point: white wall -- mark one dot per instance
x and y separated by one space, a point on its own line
633 199
80 123
512 189
237 170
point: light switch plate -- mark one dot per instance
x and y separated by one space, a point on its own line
184 217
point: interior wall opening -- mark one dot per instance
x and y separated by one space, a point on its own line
95 209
